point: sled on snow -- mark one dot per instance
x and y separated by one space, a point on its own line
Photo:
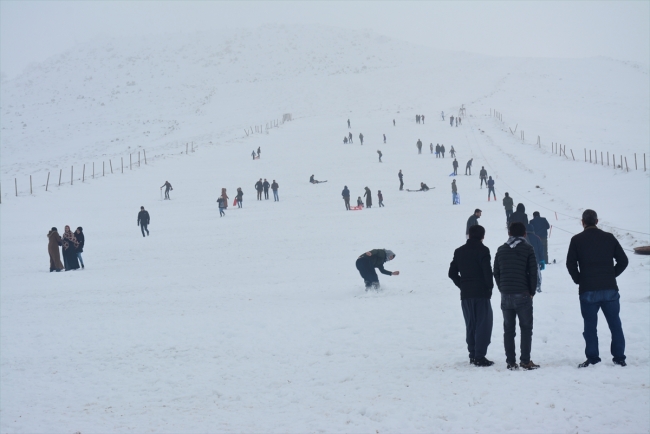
356 208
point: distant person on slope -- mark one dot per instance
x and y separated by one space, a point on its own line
349 124
54 241
259 187
401 180
483 176
442 150
452 152
314 181
541 229
490 185
454 193
70 246
350 137
225 197
346 197
419 146
79 235
384 138
508 205
437 149
451 120
361 138
380 197
258 152
380 154
253 154
469 166
455 164
345 140
368 196
473 220
221 208
422 118
168 187
275 187
423 187
239 197
442 114
367 262
143 220
359 202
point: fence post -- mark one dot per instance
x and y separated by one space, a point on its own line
138 158
103 168
573 156
608 158
614 161
93 170
130 161
71 175
601 158
145 156
596 156
635 166
16 185
111 163
60 173
621 162
186 145
585 155
30 184
122 160
48 181
626 168
83 175
644 161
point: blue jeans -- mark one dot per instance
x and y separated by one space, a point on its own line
143 227
81 261
508 214
608 301
275 196
513 306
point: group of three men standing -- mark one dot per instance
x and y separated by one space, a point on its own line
594 260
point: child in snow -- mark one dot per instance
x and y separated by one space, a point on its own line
381 198
359 202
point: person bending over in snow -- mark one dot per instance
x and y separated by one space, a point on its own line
168 187
367 262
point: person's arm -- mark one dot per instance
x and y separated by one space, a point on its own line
532 272
382 270
572 262
454 273
547 226
487 270
497 269
621 259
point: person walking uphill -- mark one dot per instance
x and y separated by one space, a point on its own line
259 186
54 241
541 229
368 196
473 220
225 198
361 138
70 246
594 260
515 272
266 186
419 146
376 258
143 220
380 197
490 185
274 187
79 235
519 215
471 271
401 180
168 187
483 175
346 197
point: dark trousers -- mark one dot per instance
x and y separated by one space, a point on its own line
545 247
521 306
455 170
240 203
482 181
401 184
266 193
259 194
143 228
508 215
590 303
478 325
381 203
166 193
468 168
347 202
491 190
367 270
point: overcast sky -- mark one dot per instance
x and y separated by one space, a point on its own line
32 31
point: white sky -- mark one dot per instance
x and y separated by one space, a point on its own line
31 31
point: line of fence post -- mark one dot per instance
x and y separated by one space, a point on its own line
103 168
635 166
48 181
60 173
614 161
626 168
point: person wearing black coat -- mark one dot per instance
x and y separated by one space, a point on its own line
266 186
401 179
367 262
346 197
519 215
515 272
594 260
471 271
79 235
536 242
368 196
473 220
259 186
143 220
455 164
541 229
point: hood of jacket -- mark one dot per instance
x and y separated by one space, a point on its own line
521 207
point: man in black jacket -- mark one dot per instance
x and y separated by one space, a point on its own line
79 235
472 221
259 187
143 220
541 226
519 215
266 186
471 272
346 197
590 262
515 272
367 262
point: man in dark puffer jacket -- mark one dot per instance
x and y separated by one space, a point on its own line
595 251
515 271
367 262
470 270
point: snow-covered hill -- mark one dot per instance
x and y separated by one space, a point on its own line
258 321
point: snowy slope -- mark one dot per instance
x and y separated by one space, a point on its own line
258 322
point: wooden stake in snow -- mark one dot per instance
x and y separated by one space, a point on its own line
83 175
608 158
111 163
145 156
71 175
30 184
573 156
60 173
585 155
601 158
122 161
186 144
626 168
16 185
635 166
48 181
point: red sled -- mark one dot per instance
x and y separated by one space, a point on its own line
234 202
356 208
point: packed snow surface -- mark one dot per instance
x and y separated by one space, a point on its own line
258 321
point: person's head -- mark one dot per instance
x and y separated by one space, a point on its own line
453 182
345 186
477 212
489 177
476 232
536 214
67 228
507 195
379 191
517 229
589 218
79 230
54 229
141 208
390 255
264 179
482 167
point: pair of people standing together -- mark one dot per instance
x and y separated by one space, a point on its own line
594 260
72 244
